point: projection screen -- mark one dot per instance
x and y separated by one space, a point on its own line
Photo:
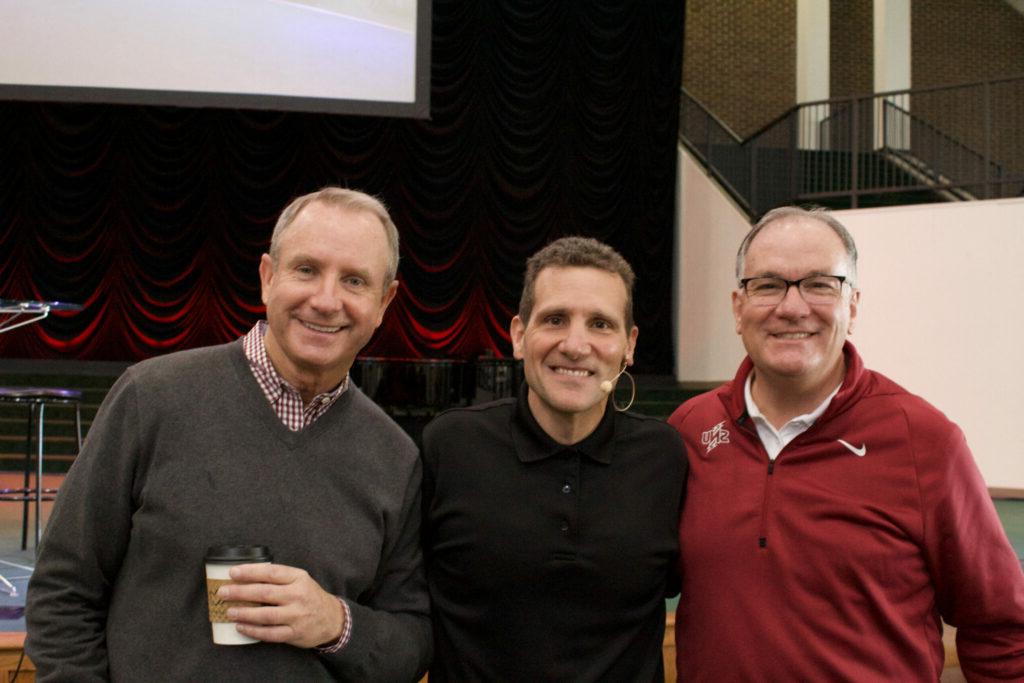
338 56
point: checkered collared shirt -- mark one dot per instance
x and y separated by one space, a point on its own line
285 399
287 404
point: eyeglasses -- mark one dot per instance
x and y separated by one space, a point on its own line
815 289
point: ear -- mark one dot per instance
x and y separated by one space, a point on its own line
854 303
517 330
737 308
266 276
386 299
631 345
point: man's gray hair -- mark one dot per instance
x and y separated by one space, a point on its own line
342 198
815 213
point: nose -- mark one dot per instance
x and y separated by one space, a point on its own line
576 343
792 303
327 296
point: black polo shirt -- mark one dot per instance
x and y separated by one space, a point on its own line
549 562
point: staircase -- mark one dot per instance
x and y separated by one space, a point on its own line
824 172
929 145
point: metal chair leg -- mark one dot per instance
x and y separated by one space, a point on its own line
78 426
27 468
33 397
39 478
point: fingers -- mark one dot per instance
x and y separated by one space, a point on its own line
290 606
271 624
269 634
266 573
263 593
268 584
263 615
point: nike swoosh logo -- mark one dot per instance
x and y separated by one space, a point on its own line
859 452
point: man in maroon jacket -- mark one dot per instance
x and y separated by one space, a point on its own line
831 517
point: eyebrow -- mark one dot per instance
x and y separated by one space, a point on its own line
549 311
590 315
306 257
300 257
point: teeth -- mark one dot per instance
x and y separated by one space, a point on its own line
794 335
321 328
572 373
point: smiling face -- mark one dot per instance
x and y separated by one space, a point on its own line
794 342
575 339
325 294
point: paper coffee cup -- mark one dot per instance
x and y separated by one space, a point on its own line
219 561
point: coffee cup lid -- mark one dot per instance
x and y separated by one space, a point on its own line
238 553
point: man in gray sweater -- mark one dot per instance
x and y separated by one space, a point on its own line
262 441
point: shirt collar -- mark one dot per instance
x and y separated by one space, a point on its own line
805 420
274 385
774 440
534 444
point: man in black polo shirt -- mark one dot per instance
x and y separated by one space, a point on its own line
551 520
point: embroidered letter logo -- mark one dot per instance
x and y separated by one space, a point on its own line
714 436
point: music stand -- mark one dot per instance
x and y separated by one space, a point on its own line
18 309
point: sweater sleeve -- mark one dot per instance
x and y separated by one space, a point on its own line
977 577
82 550
391 634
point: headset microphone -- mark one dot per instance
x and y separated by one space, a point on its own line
609 384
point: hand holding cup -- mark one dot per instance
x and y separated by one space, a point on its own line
291 606
219 560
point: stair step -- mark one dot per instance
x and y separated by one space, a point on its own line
8 454
7 419
52 464
49 438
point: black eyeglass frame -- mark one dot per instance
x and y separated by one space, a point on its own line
792 283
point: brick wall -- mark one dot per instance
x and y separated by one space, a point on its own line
851 51
739 59
960 41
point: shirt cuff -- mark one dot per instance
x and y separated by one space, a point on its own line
346 633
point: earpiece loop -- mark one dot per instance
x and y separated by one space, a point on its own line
632 395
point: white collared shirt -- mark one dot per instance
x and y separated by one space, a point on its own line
774 440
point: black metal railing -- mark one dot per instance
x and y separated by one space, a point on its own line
720 150
933 144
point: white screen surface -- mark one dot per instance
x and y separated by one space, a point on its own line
343 56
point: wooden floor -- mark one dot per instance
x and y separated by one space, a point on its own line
15 566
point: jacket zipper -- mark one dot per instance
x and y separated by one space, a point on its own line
762 536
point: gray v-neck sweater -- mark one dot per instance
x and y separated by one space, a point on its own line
186 452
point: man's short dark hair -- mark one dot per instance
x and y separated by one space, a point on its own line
576 252
816 213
